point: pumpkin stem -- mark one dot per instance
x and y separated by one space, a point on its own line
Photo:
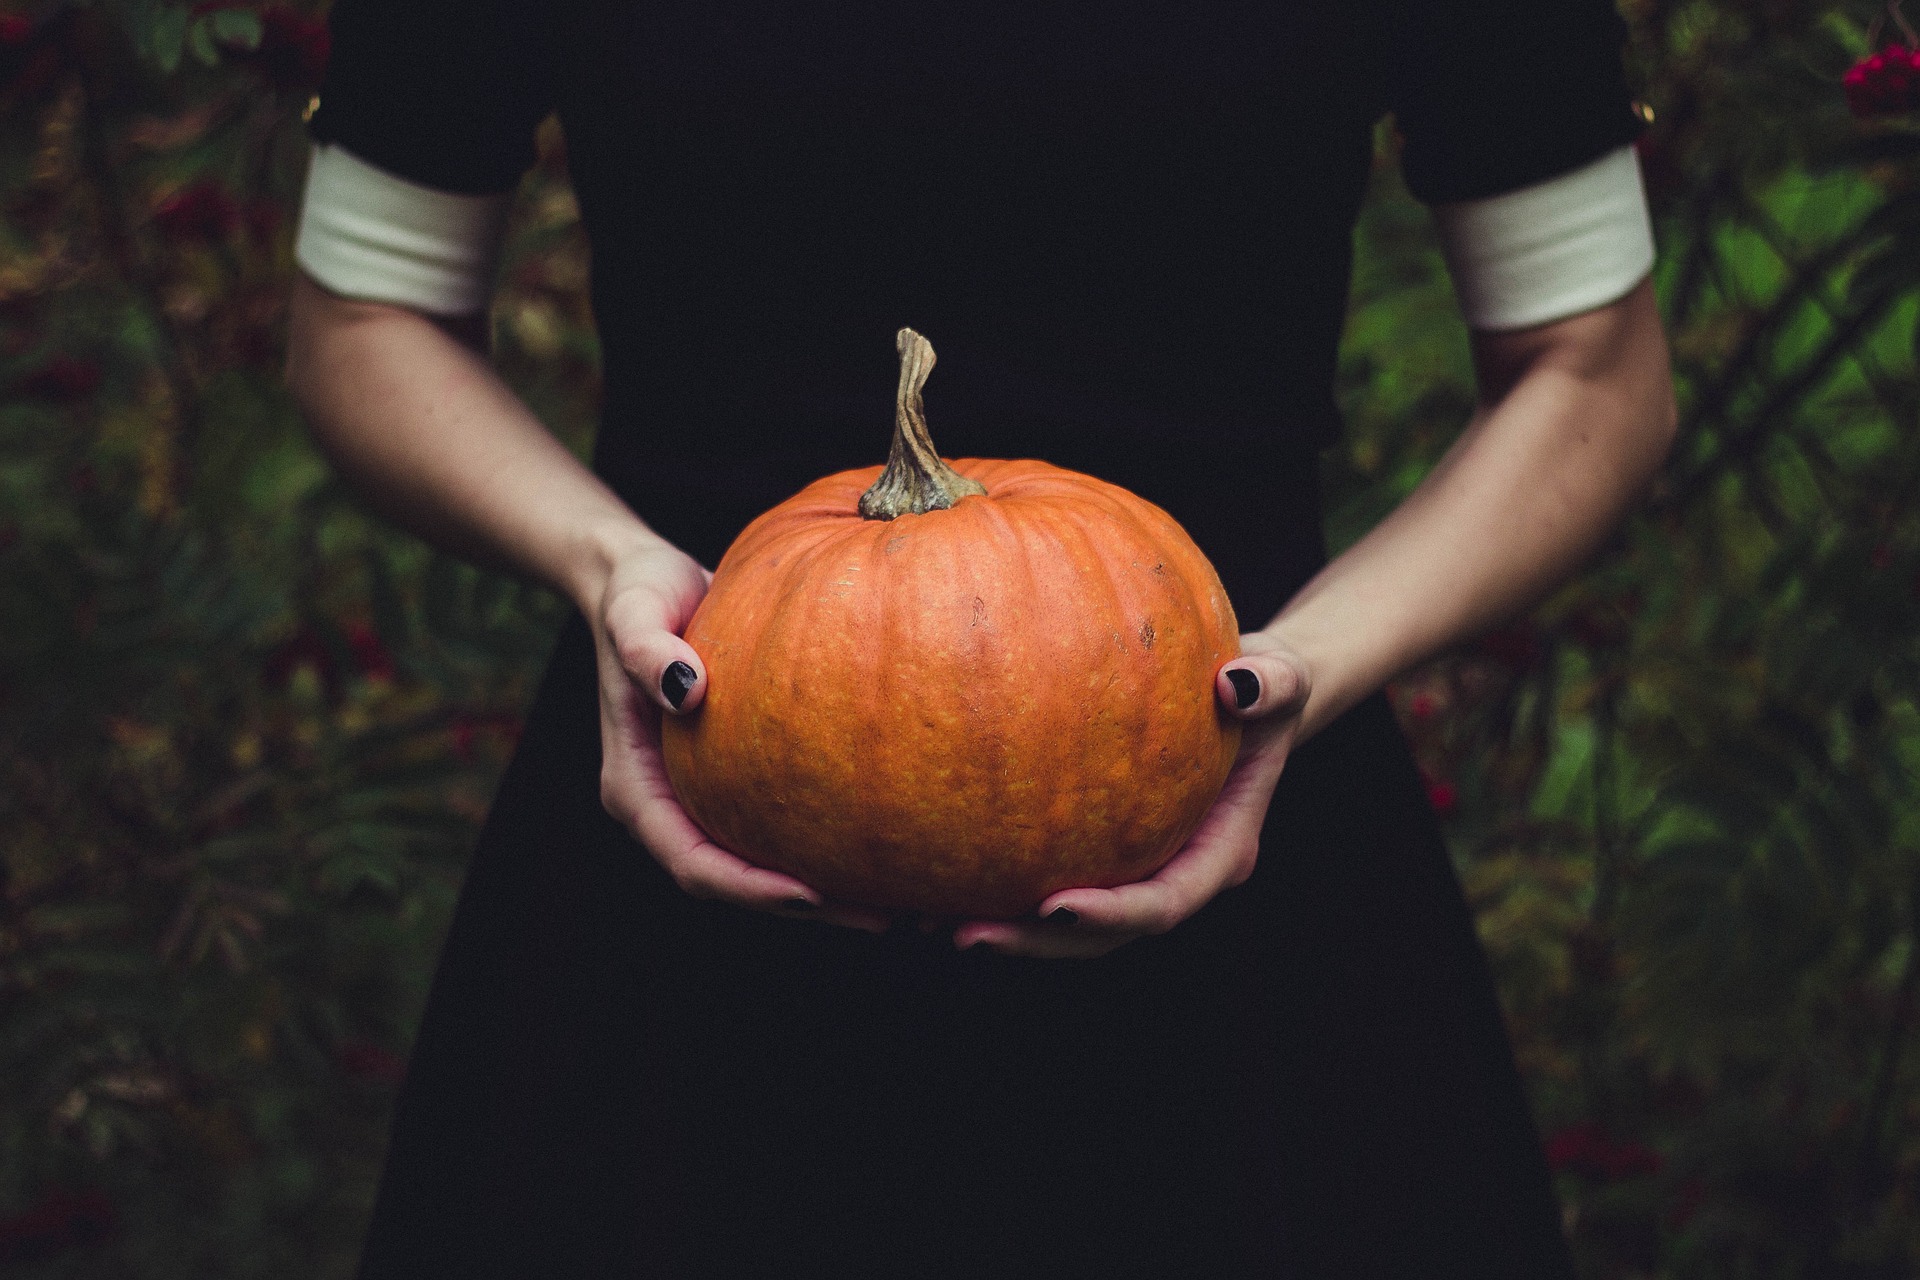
916 480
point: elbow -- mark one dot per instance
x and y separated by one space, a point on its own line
1643 364
1653 428
326 334
1662 409
1664 418
296 375
300 374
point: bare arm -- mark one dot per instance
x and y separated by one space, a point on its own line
1575 418
419 422
431 436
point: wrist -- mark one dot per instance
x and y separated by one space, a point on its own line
1338 674
596 552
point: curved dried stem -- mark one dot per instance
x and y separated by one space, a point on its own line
916 480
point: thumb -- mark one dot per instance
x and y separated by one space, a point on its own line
1255 685
665 667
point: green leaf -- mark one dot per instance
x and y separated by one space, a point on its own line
1562 792
1847 33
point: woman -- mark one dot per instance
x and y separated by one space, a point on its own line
1127 229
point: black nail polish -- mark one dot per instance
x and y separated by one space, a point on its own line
1246 687
1063 915
678 679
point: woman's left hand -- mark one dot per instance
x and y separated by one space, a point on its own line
1082 923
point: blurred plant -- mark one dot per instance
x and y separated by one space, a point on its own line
246 733
1683 793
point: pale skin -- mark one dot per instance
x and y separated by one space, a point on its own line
1574 419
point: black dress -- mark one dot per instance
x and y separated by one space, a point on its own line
1126 228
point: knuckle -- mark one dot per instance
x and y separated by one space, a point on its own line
632 651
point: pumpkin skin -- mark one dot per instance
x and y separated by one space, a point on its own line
961 711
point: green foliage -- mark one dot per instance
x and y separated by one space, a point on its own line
1686 786
247 733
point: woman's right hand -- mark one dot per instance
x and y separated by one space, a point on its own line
647 671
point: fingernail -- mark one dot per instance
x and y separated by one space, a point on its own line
678 679
799 904
1246 687
1063 915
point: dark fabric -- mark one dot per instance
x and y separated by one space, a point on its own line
1126 228
1126 204
1310 1079
446 93
1502 94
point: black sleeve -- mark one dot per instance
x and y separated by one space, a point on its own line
1495 95
445 93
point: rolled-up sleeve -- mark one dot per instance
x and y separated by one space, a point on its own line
1518 129
425 124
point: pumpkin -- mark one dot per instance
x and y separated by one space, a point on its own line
956 689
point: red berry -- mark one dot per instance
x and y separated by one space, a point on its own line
1883 83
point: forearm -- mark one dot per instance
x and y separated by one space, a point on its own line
1574 420
432 438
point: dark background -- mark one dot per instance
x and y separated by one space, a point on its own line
247 732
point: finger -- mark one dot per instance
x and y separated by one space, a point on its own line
1155 905
664 666
1254 685
636 790
704 869
708 871
1092 922
1219 855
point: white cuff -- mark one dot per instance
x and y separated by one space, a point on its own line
1551 250
367 234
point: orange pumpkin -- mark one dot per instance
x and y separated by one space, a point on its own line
957 689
